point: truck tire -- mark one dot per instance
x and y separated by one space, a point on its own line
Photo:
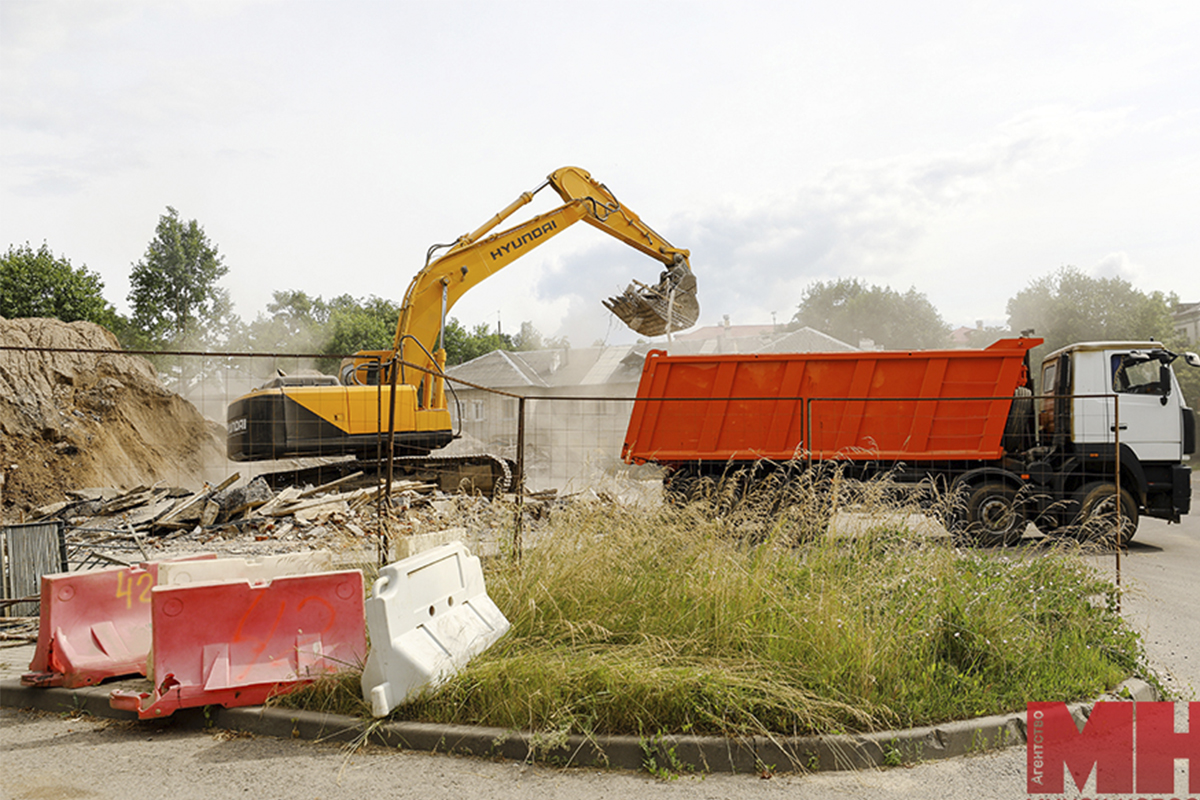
993 515
1096 521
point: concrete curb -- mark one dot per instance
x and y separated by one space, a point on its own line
673 753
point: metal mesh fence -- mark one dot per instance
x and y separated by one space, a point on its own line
107 421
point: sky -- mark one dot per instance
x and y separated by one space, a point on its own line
961 149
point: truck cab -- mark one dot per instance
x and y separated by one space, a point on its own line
1119 391
1101 398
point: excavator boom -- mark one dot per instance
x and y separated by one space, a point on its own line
306 417
670 305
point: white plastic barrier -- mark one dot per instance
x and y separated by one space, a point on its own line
408 546
266 568
427 616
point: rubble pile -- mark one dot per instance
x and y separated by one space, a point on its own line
107 527
74 419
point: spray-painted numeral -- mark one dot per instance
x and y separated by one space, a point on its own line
125 588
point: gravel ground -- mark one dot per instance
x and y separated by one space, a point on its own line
48 756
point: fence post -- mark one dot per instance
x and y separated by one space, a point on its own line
808 443
379 496
519 479
385 543
1117 445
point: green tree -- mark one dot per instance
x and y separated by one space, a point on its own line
463 345
294 322
174 295
530 338
36 283
1068 306
355 325
850 310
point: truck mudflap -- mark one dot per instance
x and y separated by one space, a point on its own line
1181 495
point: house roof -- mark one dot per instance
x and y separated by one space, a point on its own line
498 369
596 366
725 331
961 336
806 340
585 366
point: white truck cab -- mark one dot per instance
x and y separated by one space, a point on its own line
1128 391
1109 402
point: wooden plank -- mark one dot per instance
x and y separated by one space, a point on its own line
327 486
283 511
175 513
187 505
288 495
135 497
209 515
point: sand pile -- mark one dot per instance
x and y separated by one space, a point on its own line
75 420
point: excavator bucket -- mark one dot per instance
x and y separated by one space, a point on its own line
671 305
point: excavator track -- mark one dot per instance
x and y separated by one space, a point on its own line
485 473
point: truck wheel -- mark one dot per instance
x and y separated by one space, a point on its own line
1096 521
1052 523
994 517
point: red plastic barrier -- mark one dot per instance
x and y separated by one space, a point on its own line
237 643
94 625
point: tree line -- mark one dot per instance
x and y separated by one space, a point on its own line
176 303
1063 307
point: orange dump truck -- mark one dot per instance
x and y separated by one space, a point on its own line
966 419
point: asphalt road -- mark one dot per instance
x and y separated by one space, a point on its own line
48 757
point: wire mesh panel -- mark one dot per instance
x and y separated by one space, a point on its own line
574 443
911 429
29 552
124 447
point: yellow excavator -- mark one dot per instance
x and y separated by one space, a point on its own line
298 416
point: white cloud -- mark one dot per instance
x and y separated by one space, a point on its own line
865 219
1120 265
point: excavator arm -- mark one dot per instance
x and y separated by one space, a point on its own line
307 416
474 257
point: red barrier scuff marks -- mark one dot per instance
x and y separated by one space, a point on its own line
236 643
94 625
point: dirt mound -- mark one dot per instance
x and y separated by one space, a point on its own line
74 420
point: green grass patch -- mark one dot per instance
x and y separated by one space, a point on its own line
645 621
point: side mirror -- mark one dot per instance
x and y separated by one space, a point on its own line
1192 359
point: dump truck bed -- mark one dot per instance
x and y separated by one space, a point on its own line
929 405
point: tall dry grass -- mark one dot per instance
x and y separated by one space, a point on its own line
749 613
